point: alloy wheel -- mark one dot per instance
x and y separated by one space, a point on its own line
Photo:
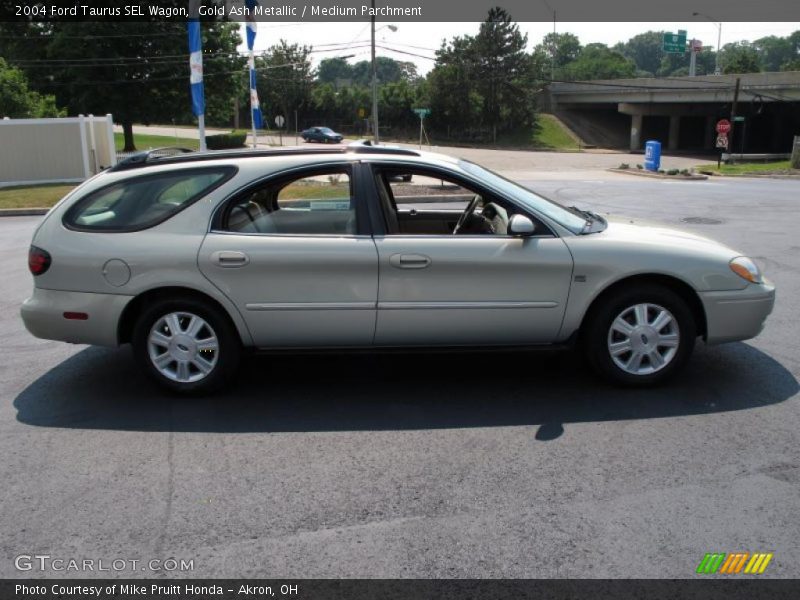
183 347
643 339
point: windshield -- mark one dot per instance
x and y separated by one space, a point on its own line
568 217
326 130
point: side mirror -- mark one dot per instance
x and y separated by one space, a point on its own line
521 226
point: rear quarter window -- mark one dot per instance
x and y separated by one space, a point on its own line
142 202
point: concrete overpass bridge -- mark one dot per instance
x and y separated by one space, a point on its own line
681 112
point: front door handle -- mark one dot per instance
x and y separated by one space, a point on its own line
230 258
410 261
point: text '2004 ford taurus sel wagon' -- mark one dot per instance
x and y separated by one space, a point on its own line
193 257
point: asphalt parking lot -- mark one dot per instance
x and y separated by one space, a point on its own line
467 465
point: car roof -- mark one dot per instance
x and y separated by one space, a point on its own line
181 156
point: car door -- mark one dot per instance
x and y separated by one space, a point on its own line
483 289
293 254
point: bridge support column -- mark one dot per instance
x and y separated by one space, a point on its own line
636 132
674 132
709 138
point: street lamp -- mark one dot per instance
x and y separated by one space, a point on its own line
375 134
717 70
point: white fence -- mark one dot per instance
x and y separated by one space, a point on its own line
55 150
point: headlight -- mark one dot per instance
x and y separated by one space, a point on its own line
746 269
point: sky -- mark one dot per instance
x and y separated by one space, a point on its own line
424 38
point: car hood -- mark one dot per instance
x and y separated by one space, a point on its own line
656 233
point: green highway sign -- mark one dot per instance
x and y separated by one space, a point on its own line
422 112
674 42
738 119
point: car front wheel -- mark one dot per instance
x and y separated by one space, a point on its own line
186 345
640 336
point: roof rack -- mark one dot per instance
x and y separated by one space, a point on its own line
142 158
170 155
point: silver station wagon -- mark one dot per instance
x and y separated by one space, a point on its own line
193 258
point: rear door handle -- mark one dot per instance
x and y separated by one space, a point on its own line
410 261
230 258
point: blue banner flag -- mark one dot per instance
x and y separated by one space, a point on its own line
196 67
255 106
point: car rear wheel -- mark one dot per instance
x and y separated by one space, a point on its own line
186 345
640 336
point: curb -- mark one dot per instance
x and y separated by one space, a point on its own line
756 176
23 212
640 173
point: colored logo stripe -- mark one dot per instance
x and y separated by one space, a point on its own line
734 563
710 563
758 563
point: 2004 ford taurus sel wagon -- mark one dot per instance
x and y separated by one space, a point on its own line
193 257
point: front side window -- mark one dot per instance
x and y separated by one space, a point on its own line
568 217
318 204
143 202
426 202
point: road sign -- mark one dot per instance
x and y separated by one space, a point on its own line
676 43
723 126
696 45
738 119
279 120
362 112
722 141
422 112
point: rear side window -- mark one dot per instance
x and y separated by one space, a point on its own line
143 202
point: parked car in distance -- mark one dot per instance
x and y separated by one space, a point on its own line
193 258
321 134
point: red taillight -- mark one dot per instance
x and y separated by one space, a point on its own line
38 260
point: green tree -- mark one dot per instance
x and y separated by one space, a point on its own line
284 79
645 50
740 57
387 70
597 61
565 47
454 100
17 101
138 71
331 69
501 66
773 52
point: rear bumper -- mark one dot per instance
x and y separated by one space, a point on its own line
737 315
43 315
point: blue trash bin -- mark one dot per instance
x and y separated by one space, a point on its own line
652 155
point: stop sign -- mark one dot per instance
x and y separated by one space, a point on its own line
723 126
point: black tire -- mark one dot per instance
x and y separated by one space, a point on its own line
225 359
597 334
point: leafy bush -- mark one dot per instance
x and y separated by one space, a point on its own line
639 166
224 141
673 172
624 166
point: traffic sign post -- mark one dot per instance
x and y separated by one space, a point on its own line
674 43
422 113
723 128
279 121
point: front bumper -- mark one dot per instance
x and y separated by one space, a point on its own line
737 315
43 315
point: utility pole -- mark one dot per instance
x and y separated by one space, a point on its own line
555 50
375 133
733 113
